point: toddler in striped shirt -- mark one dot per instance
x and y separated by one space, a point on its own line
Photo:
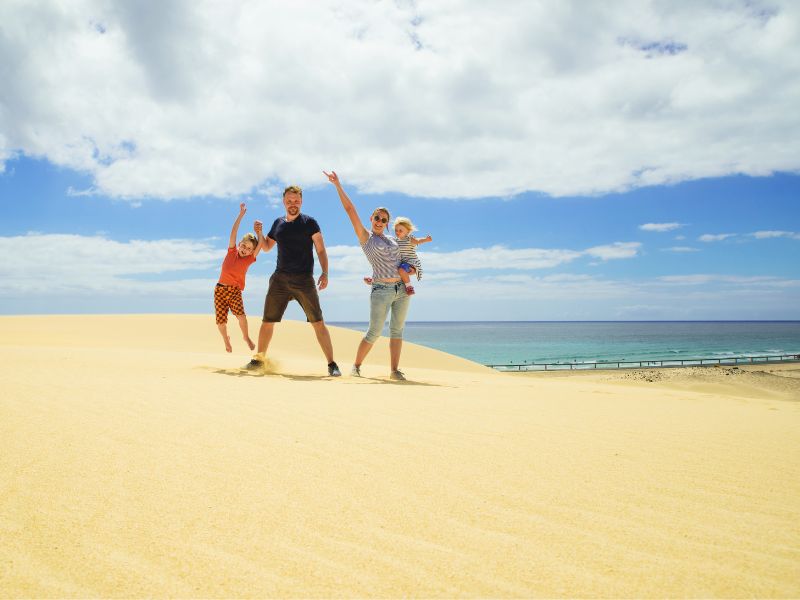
409 261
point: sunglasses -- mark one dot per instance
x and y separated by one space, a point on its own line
380 219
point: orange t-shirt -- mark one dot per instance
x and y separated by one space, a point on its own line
234 268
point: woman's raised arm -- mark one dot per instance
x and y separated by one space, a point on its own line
361 232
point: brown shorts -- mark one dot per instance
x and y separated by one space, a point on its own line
284 287
227 297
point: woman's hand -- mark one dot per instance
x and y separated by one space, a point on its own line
333 178
361 233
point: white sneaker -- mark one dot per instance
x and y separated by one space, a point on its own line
355 372
397 376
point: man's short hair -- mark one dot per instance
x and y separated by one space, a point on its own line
294 189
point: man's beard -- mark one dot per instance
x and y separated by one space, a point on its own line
292 210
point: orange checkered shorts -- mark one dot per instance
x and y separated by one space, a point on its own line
227 297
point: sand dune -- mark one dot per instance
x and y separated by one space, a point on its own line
137 459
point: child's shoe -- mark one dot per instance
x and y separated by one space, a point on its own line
368 280
410 290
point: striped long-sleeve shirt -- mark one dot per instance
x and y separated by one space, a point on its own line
383 254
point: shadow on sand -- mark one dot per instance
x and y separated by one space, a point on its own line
348 380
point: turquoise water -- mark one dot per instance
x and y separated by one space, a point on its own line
602 341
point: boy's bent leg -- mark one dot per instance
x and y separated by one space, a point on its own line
243 326
221 303
223 329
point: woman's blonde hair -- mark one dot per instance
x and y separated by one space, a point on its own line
405 222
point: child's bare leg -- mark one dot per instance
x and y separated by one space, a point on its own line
243 325
223 330
404 276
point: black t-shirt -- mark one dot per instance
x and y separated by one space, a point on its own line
294 243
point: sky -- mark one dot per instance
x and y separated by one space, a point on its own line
571 160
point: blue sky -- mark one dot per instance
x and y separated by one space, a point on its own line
654 175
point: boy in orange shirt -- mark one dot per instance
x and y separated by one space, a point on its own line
228 291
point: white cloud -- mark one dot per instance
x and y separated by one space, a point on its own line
225 98
660 227
760 235
715 237
615 250
71 191
757 281
351 259
71 273
98 267
62 263
498 257
680 249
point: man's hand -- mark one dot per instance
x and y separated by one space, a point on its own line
322 282
258 227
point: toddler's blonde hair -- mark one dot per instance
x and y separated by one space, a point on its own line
405 222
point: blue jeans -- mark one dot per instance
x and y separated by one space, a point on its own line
386 296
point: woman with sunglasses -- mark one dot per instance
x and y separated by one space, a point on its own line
388 291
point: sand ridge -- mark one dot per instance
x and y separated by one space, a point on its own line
139 460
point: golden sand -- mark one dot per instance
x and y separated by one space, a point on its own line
138 460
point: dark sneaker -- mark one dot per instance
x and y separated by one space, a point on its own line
397 376
333 370
254 365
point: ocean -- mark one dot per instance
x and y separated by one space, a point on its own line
505 342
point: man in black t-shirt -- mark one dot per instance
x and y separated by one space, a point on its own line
293 279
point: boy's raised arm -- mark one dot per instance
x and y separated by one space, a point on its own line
232 243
